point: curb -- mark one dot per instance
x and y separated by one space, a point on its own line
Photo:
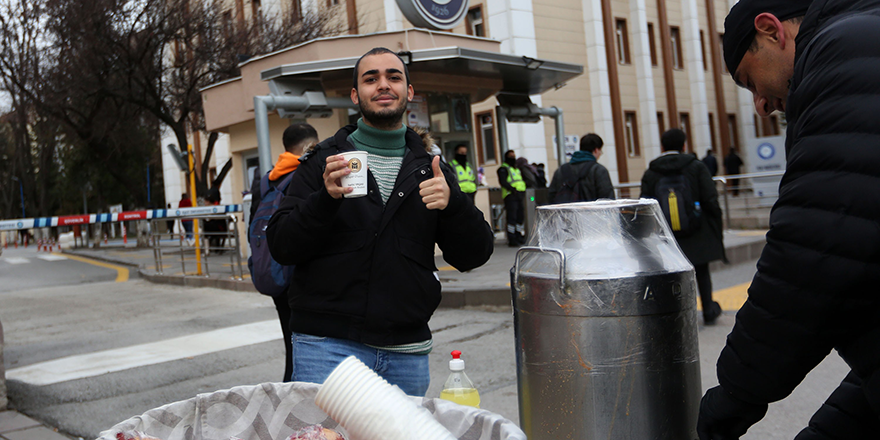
452 298
196 281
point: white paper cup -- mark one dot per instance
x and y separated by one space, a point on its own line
371 409
357 179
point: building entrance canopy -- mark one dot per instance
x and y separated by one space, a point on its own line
510 74
312 79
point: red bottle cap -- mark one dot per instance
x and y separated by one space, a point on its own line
456 354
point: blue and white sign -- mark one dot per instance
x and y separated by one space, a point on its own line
766 154
434 14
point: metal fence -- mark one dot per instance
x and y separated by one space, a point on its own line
215 234
742 195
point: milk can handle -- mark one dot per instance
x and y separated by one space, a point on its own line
555 252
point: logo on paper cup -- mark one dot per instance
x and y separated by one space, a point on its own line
355 165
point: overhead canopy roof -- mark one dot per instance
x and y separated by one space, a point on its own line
518 74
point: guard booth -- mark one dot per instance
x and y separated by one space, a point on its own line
454 77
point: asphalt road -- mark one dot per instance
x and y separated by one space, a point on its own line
27 268
59 331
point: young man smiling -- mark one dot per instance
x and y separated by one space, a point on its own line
364 282
816 285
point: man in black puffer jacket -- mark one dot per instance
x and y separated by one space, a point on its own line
706 243
816 286
364 282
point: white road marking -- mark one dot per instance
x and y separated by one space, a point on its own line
17 260
119 359
51 257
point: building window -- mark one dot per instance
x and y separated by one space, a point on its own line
239 11
712 131
675 39
685 120
652 46
332 3
772 126
486 138
295 11
227 24
475 24
631 128
721 50
732 130
661 124
703 51
622 42
256 9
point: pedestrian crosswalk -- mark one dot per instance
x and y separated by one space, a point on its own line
119 359
23 260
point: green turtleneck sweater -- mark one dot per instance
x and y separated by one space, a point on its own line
385 150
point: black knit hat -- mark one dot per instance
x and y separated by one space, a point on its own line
739 26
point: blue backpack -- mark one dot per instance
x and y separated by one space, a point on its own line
269 277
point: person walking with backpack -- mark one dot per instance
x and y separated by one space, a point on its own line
686 193
583 178
269 277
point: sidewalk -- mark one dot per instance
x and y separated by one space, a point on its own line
17 426
485 285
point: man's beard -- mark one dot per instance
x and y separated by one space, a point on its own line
387 118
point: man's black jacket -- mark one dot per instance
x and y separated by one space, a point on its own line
817 283
364 270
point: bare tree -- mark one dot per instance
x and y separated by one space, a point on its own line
94 74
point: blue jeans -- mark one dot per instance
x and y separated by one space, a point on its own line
315 357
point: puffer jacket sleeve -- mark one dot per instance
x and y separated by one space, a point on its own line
463 235
816 285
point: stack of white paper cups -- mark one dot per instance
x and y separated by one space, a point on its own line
371 409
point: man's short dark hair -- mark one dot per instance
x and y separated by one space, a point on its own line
590 142
377 51
296 133
673 139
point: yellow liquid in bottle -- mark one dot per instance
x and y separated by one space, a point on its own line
462 396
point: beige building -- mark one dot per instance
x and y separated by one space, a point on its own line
647 66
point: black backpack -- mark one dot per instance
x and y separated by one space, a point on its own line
269 277
570 189
676 198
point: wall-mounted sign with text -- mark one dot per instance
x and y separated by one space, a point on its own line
434 14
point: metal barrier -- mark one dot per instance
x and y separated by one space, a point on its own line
740 187
215 236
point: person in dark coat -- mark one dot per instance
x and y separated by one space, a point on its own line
816 285
296 139
732 164
364 282
711 162
706 244
596 183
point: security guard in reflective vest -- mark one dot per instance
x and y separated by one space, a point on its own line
513 189
467 181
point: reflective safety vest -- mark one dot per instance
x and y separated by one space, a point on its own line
514 178
466 180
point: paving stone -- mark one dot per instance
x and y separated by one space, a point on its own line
38 433
13 421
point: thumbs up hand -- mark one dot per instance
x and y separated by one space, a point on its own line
435 191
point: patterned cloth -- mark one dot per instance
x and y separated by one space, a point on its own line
277 410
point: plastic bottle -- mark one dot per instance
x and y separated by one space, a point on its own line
458 387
